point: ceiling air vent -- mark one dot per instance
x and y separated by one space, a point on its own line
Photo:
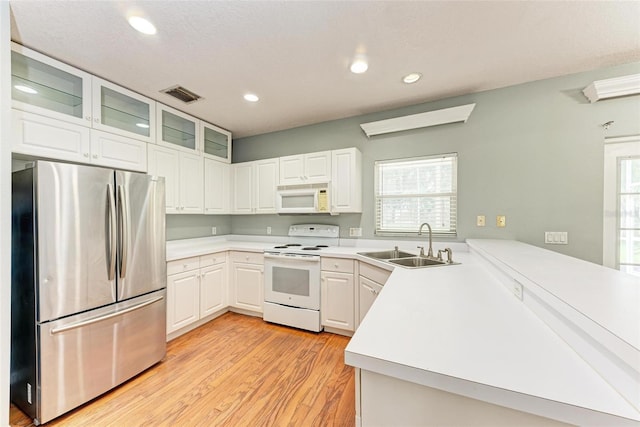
184 95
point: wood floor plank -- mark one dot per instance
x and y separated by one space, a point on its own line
233 371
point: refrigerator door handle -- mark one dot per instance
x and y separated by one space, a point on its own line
105 317
123 232
112 232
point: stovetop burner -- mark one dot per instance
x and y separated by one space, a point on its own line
293 244
322 246
311 248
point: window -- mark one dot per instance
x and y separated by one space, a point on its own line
621 248
409 192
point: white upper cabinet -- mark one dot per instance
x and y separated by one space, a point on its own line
184 179
50 88
216 142
254 187
266 183
177 129
117 151
44 86
217 183
346 181
123 112
36 135
242 188
305 168
191 184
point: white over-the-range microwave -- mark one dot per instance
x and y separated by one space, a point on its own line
304 199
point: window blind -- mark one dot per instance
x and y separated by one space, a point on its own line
409 192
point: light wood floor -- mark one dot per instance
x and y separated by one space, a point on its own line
233 371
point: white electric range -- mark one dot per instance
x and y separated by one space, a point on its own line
292 276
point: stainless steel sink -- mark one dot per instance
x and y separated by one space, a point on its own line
387 255
416 262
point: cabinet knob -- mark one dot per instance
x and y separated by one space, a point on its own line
97 120
95 156
335 265
88 117
373 291
86 154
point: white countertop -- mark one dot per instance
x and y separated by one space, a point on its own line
606 296
456 328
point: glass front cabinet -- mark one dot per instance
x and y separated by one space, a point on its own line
217 142
48 87
121 111
186 133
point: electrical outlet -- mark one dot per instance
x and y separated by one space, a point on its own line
517 289
355 232
480 221
214 231
268 230
501 221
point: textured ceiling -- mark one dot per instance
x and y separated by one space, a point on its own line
295 55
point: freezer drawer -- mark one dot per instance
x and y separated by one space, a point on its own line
86 355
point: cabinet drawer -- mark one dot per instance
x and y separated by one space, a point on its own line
342 265
248 257
212 259
377 274
184 264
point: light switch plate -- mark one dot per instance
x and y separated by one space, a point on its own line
355 232
214 231
501 221
480 221
268 230
556 237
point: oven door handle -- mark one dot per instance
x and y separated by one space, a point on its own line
307 258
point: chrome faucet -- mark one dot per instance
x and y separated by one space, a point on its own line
430 252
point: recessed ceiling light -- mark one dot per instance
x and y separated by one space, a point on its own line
359 66
142 25
142 125
26 89
251 97
411 78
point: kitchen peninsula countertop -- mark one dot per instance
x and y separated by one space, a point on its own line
458 329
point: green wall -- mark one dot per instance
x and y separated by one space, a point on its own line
189 226
532 152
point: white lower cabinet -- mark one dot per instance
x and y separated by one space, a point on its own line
370 283
368 292
213 288
183 295
196 289
184 178
337 294
247 283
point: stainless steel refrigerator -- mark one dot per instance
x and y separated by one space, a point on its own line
88 283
